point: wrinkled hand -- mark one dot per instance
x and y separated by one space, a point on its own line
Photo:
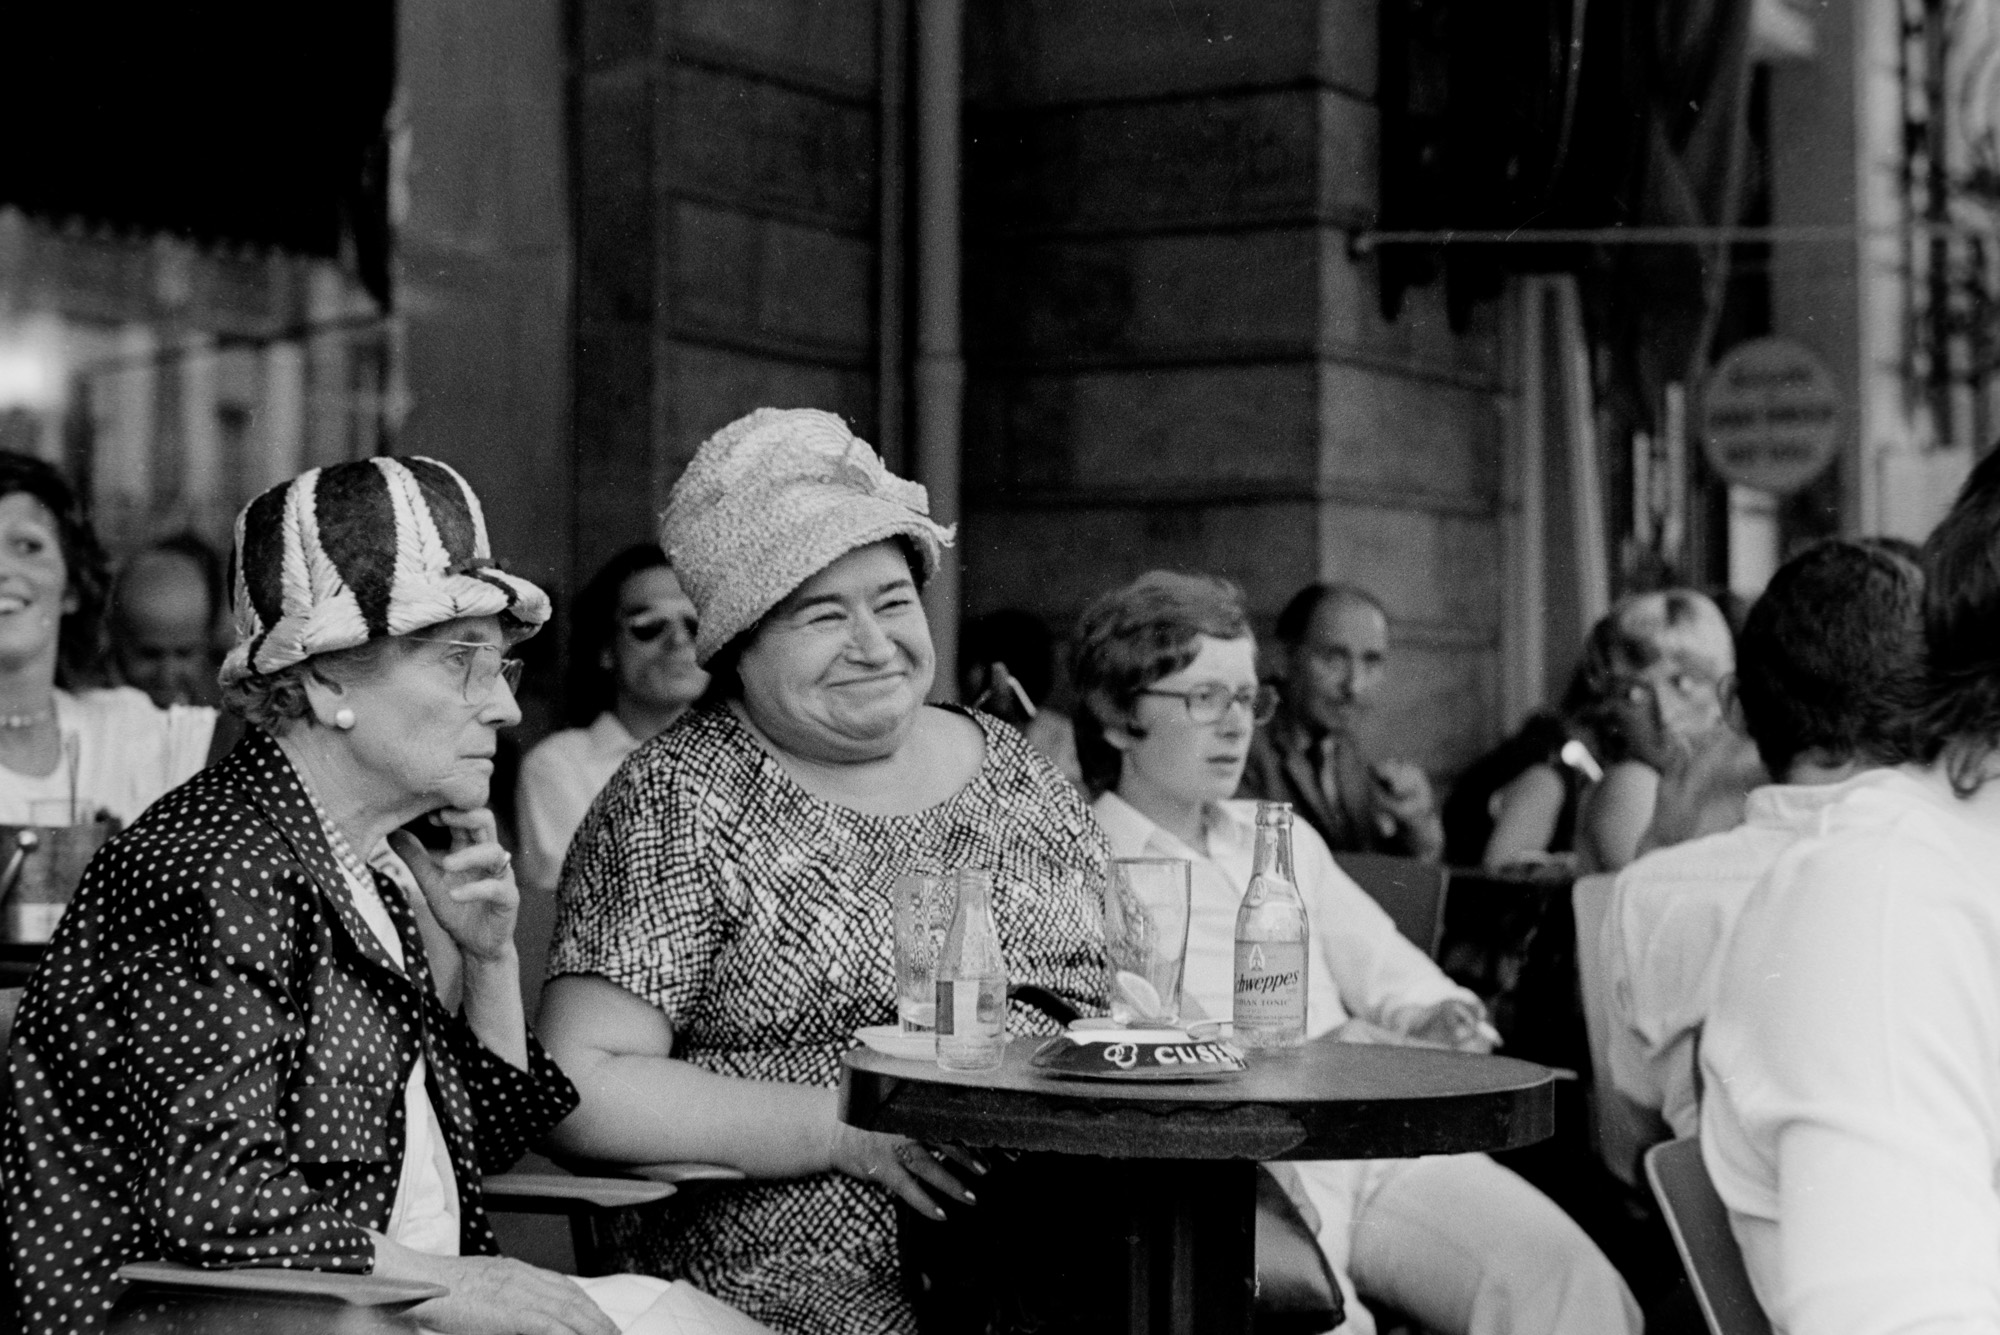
1453 1023
904 1167
491 1295
470 890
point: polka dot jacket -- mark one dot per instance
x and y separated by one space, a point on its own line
209 1065
758 919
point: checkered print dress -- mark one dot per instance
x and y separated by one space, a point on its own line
757 917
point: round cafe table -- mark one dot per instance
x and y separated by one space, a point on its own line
1138 1201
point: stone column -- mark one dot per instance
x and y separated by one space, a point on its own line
1174 360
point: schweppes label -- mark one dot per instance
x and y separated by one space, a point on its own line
1270 982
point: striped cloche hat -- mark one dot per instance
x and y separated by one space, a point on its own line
352 552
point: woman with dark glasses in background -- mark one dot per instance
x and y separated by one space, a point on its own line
631 673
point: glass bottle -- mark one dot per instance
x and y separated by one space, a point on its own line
1271 937
972 982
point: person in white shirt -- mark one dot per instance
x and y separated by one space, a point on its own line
1167 672
70 755
1850 1115
632 673
1826 668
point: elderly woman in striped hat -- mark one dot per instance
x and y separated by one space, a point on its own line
724 926
234 1054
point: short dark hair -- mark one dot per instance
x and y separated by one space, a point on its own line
1297 618
1136 635
1961 705
590 688
1832 657
80 639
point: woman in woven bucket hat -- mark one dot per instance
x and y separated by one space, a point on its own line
235 1052
724 926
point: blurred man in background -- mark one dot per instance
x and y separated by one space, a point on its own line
164 610
1335 642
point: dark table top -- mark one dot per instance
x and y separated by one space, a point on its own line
1326 1100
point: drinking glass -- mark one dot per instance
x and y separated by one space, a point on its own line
923 912
1145 939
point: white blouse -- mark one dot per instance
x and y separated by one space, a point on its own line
121 753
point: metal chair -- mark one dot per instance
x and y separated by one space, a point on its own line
1700 1226
1411 891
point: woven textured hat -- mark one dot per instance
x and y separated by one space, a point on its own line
352 552
771 500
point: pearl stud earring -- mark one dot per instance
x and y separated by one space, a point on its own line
343 718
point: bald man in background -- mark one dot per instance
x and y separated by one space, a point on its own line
1334 639
164 611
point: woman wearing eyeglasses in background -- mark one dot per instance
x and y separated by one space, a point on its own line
1656 664
631 673
1166 670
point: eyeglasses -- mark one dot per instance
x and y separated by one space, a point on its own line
1208 703
485 663
642 630
1638 688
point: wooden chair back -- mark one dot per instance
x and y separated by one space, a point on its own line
1699 1223
1410 890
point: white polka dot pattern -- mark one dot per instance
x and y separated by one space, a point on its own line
209 1065
757 918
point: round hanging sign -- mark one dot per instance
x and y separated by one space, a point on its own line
1770 415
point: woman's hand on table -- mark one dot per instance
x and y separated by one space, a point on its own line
470 889
1453 1023
491 1295
906 1168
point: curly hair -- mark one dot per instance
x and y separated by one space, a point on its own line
1641 630
1959 719
1134 636
277 701
80 638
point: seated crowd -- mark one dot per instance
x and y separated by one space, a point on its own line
284 1021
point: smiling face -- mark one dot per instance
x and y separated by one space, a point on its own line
421 743
34 580
1166 752
652 651
837 672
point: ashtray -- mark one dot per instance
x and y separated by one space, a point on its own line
1094 1052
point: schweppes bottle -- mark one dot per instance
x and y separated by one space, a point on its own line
1271 954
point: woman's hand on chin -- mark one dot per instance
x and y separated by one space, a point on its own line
471 889
491 1295
904 1167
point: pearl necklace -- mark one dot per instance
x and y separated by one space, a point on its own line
21 722
343 851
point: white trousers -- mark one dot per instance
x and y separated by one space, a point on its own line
1464 1246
